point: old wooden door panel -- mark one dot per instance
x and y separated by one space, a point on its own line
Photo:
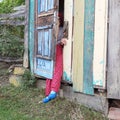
45 37
44 42
31 32
68 48
43 64
78 38
45 6
100 44
113 75
88 46
43 67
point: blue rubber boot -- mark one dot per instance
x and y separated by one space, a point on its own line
45 100
51 96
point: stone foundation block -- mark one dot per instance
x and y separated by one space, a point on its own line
15 80
19 71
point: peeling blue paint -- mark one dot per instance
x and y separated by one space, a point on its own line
98 77
98 82
66 77
102 62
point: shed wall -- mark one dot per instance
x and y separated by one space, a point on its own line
113 74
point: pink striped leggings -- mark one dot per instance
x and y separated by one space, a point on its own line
54 84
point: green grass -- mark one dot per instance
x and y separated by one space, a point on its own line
6 6
24 104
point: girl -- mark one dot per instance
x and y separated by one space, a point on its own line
53 85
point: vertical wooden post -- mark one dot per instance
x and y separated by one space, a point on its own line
31 32
68 48
78 38
26 56
88 46
100 44
113 74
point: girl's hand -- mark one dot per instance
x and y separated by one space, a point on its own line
64 41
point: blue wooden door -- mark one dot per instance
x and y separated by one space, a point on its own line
45 37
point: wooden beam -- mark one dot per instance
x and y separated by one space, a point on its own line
68 7
31 32
100 43
113 73
12 22
26 56
78 38
22 7
88 46
13 15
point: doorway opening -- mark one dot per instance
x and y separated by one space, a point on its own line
61 7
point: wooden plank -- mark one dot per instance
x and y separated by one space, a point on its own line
78 45
26 57
88 46
68 5
100 43
113 75
22 7
44 27
31 32
12 22
46 14
12 15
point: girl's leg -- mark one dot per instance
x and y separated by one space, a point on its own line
54 84
58 71
48 87
47 90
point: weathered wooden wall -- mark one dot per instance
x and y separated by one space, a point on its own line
100 44
113 74
83 46
83 39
